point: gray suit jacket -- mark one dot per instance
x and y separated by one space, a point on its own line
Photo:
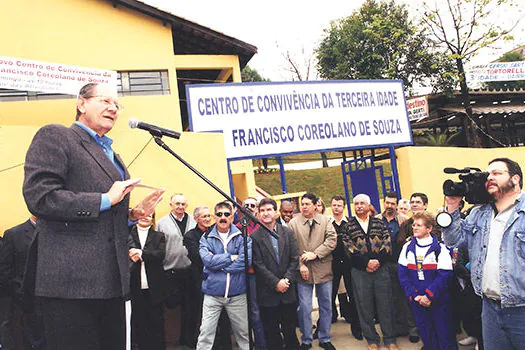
81 252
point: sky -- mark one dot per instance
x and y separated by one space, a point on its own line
295 26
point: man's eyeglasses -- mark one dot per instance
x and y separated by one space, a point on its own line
107 102
250 205
225 214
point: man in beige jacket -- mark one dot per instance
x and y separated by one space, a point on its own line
316 238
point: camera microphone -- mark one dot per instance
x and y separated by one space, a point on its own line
457 171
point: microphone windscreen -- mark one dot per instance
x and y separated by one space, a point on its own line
450 171
133 123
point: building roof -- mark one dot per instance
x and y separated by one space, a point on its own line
192 38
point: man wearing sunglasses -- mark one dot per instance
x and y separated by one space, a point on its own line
223 284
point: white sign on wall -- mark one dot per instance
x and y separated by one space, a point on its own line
417 108
29 75
269 119
497 71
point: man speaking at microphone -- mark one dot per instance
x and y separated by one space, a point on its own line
79 190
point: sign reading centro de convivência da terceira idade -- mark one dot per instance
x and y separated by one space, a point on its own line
271 119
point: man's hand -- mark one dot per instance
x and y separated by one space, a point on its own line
283 285
305 273
120 189
135 254
147 205
373 265
234 257
452 203
308 256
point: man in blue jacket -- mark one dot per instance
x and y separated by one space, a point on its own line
495 236
223 281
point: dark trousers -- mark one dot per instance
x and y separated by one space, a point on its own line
84 324
374 290
279 319
180 293
147 322
347 307
402 316
470 310
26 328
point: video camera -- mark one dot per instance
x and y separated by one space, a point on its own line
472 186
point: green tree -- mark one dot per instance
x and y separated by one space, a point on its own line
249 74
508 85
379 41
463 28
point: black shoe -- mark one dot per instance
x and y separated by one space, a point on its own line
304 346
327 345
413 338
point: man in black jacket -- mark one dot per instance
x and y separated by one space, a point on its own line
276 266
147 249
25 327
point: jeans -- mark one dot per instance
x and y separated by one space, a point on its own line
255 317
323 292
237 309
503 328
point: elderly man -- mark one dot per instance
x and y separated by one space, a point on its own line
177 264
494 235
78 187
224 285
368 243
316 238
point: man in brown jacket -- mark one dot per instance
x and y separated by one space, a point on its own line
316 238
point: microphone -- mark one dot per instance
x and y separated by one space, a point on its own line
153 129
457 171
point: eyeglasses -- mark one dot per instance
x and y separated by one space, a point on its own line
107 102
250 205
498 172
225 214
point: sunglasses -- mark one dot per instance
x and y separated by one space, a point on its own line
250 205
221 214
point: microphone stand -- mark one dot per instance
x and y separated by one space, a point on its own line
247 216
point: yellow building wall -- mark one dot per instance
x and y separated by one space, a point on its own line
421 168
91 33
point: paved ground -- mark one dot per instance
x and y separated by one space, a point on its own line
343 339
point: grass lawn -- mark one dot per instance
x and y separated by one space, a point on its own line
324 182
317 156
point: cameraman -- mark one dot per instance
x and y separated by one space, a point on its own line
495 236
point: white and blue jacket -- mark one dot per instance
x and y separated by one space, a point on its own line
431 277
222 276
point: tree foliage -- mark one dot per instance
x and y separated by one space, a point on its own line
463 28
249 74
379 41
512 56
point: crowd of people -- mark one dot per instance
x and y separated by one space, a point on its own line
66 273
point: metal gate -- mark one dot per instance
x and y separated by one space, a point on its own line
363 175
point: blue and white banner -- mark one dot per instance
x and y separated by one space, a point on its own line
497 71
269 119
